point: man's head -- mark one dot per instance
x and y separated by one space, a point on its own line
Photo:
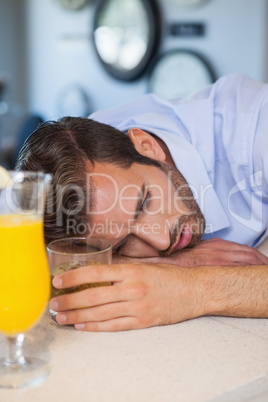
111 185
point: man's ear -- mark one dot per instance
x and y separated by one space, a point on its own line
146 145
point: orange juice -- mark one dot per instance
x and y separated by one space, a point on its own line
24 273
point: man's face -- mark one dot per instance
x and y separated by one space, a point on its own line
144 211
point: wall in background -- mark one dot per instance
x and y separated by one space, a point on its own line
12 50
48 49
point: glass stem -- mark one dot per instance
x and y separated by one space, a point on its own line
14 351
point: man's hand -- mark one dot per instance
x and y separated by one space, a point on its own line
142 295
207 252
145 295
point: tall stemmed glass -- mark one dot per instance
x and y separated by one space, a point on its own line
24 273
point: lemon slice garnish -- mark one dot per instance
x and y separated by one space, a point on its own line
4 177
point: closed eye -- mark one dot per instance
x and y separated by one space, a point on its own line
146 202
142 207
116 249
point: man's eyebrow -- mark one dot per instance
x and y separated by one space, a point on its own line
137 212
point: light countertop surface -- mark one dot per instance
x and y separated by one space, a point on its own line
215 359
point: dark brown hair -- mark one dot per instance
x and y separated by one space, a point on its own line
68 149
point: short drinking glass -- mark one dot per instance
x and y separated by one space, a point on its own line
76 252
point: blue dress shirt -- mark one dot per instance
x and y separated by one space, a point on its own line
218 139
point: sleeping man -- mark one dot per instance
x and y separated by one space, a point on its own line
180 189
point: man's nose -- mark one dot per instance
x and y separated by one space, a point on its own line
155 235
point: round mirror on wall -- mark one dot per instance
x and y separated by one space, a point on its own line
126 35
180 72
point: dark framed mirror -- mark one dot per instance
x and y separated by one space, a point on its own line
126 36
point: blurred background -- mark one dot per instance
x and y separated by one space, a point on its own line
72 57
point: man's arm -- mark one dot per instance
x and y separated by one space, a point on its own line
207 252
145 295
242 292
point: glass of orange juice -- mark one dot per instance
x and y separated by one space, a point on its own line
24 273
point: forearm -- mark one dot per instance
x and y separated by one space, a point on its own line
237 292
212 252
